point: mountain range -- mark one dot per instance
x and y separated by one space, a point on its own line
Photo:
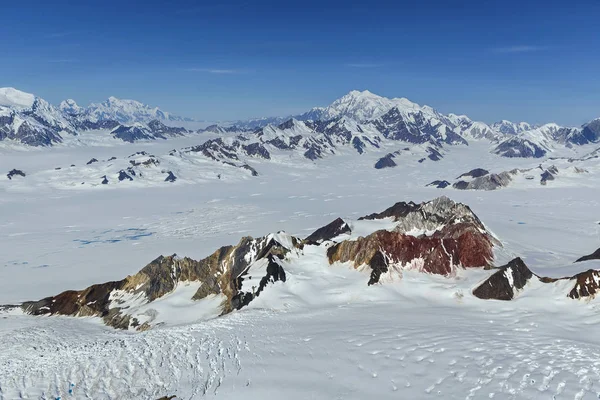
360 119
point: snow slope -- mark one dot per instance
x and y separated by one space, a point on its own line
11 97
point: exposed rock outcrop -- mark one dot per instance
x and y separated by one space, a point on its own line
328 232
513 277
486 182
439 184
386 161
519 147
475 173
219 274
441 253
437 237
506 282
170 177
15 172
453 237
124 175
594 256
587 284
429 216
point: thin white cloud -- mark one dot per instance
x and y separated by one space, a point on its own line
518 49
63 61
215 71
57 35
363 65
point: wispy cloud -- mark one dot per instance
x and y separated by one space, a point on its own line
218 71
364 65
518 49
57 35
63 61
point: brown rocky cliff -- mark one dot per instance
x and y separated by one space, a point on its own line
439 254
218 273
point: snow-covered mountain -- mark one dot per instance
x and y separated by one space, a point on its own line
122 111
31 120
360 119
11 97
511 128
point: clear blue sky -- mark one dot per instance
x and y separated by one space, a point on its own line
522 60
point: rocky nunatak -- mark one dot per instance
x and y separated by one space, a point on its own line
220 274
510 280
435 237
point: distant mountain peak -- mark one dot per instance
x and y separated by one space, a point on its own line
70 106
11 97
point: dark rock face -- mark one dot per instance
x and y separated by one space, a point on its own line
138 153
433 154
475 173
590 132
313 153
548 175
486 182
461 185
93 160
131 171
439 184
587 284
216 149
132 134
512 277
358 145
33 131
328 232
594 256
257 150
386 162
249 168
15 172
289 124
104 180
419 130
170 177
279 144
504 284
398 210
160 130
379 266
88 125
123 175
519 147
274 274
152 131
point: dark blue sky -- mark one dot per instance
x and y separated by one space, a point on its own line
522 60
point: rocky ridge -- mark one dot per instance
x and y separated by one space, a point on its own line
440 237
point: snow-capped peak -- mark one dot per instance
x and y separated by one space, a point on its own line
124 111
362 106
69 106
11 97
511 128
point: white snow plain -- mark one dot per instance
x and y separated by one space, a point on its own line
323 334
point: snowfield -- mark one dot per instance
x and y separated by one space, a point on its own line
324 333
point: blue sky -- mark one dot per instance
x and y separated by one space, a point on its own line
522 60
